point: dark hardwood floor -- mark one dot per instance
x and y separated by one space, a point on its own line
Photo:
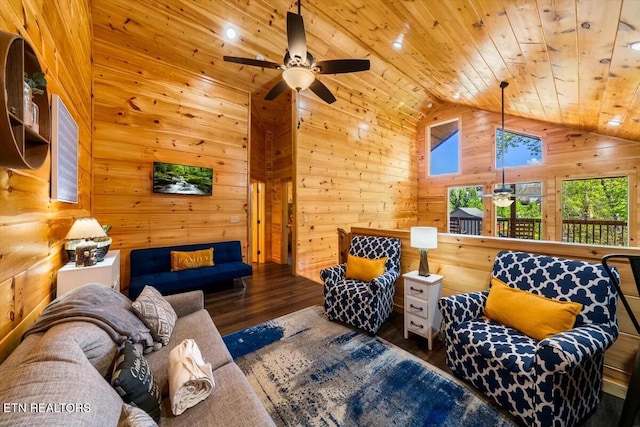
273 292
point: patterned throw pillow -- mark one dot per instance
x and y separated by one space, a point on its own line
131 416
193 259
156 313
133 380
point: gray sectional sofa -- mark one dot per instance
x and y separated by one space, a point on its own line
61 377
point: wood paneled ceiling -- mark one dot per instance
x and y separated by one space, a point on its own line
567 61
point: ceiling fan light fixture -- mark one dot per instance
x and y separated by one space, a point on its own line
298 78
502 200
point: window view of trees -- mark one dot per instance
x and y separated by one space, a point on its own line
465 210
523 219
596 211
519 150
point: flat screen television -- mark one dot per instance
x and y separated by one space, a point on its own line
171 178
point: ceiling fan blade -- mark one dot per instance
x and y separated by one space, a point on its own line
296 37
322 91
338 66
252 62
276 90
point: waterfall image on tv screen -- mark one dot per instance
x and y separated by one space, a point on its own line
170 178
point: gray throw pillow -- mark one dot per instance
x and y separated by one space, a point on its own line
156 313
133 380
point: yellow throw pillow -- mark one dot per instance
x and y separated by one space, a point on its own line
364 269
533 315
193 259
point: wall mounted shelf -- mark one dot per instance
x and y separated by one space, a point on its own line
21 146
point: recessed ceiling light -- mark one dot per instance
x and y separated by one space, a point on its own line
397 44
614 123
634 46
230 33
456 95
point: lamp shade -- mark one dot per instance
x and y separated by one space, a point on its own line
298 78
424 237
502 201
85 228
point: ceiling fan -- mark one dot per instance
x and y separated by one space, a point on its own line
504 196
299 68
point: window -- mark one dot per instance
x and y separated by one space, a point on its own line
596 211
519 149
444 148
523 219
465 210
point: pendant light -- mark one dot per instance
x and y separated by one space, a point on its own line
502 196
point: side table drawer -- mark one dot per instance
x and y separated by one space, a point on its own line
418 290
418 325
418 307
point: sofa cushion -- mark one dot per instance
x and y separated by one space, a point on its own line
183 260
133 380
156 313
531 314
233 403
56 385
199 327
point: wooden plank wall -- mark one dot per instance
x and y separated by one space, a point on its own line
32 226
466 263
567 153
355 167
149 108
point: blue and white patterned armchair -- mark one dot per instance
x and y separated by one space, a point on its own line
365 305
552 382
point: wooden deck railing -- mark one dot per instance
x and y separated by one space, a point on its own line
610 233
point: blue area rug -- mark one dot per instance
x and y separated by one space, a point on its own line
313 372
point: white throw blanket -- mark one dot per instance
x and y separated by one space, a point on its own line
190 379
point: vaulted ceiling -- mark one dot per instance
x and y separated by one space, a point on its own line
567 61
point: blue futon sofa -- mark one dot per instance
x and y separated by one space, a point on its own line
152 266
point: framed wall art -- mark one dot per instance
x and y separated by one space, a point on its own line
171 178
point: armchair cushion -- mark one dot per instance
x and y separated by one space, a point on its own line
364 269
533 315
506 347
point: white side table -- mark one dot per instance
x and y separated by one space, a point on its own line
421 314
106 272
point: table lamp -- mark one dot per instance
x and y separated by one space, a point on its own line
87 229
424 238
